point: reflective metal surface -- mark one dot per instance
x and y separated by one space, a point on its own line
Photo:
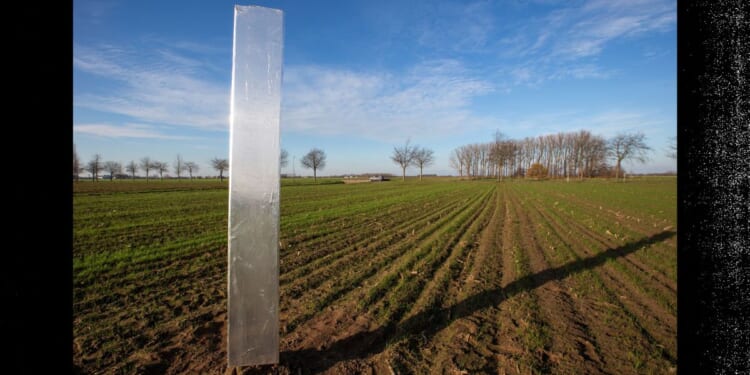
253 298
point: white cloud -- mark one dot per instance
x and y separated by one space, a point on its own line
433 97
124 131
161 87
168 88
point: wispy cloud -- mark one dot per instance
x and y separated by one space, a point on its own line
168 88
565 42
124 131
431 98
458 27
159 86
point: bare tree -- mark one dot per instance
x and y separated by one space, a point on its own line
191 167
220 165
456 162
628 147
113 168
498 153
672 148
403 156
94 166
179 166
161 167
76 164
423 157
283 158
147 165
315 159
132 168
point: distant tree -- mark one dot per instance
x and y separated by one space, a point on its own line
179 166
423 157
499 153
113 168
315 159
672 148
283 158
161 167
403 156
76 164
94 166
147 165
220 165
456 162
191 167
537 171
628 147
132 168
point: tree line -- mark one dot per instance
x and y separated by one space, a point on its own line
562 155
96 165
315 159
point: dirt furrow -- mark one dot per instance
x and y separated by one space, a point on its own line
453 341
654 325
572 347
367 245
357 294
659 287
432 307
301 249
340 286
651 262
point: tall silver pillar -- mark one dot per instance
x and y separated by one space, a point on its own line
253 298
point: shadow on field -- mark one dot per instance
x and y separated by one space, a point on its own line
428 323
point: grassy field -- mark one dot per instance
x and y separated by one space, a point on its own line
439 276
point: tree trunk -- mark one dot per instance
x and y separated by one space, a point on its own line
403 173
420 173
315 175
617 171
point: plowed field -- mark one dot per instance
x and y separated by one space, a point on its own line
442 276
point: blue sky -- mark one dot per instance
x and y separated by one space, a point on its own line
153 78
